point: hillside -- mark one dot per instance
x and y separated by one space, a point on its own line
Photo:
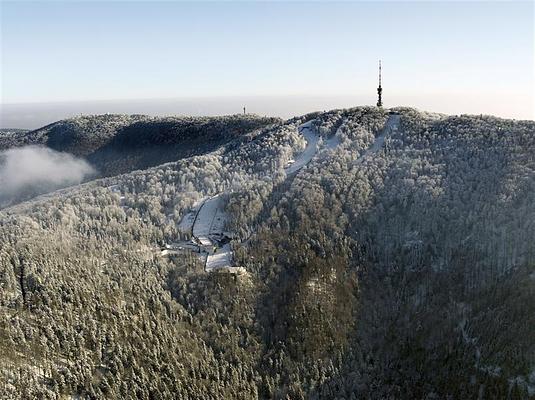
376 255
10 137
116 144
106 145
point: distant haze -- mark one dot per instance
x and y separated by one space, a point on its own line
36 115
33 169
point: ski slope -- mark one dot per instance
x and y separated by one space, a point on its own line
391 126
207 223
310 149
221 258
331 143
210 220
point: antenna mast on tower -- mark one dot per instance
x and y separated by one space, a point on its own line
380 89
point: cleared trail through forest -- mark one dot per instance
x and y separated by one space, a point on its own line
208 231
207 224
391 125
310 150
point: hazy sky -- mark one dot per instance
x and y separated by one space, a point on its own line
441 56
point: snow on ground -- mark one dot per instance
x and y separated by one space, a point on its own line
186 223
310 149
221 258
207 219
390 126
182 245
331 143
334 141
219 221
207 222
210 220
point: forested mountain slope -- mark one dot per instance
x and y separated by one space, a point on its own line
117 144
399 269
10 136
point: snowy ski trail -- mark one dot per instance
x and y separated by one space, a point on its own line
310 150
391 125
208 221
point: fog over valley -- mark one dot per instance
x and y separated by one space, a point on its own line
32 170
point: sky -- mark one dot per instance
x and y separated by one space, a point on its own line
61 58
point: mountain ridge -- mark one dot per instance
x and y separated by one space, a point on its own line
100 138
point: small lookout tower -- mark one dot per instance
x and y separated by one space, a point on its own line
380 89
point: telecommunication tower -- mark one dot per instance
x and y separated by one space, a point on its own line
380 89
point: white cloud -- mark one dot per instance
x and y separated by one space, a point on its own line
34 169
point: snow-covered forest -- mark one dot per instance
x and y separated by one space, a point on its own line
395 261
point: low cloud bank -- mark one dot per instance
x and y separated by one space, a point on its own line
33 170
